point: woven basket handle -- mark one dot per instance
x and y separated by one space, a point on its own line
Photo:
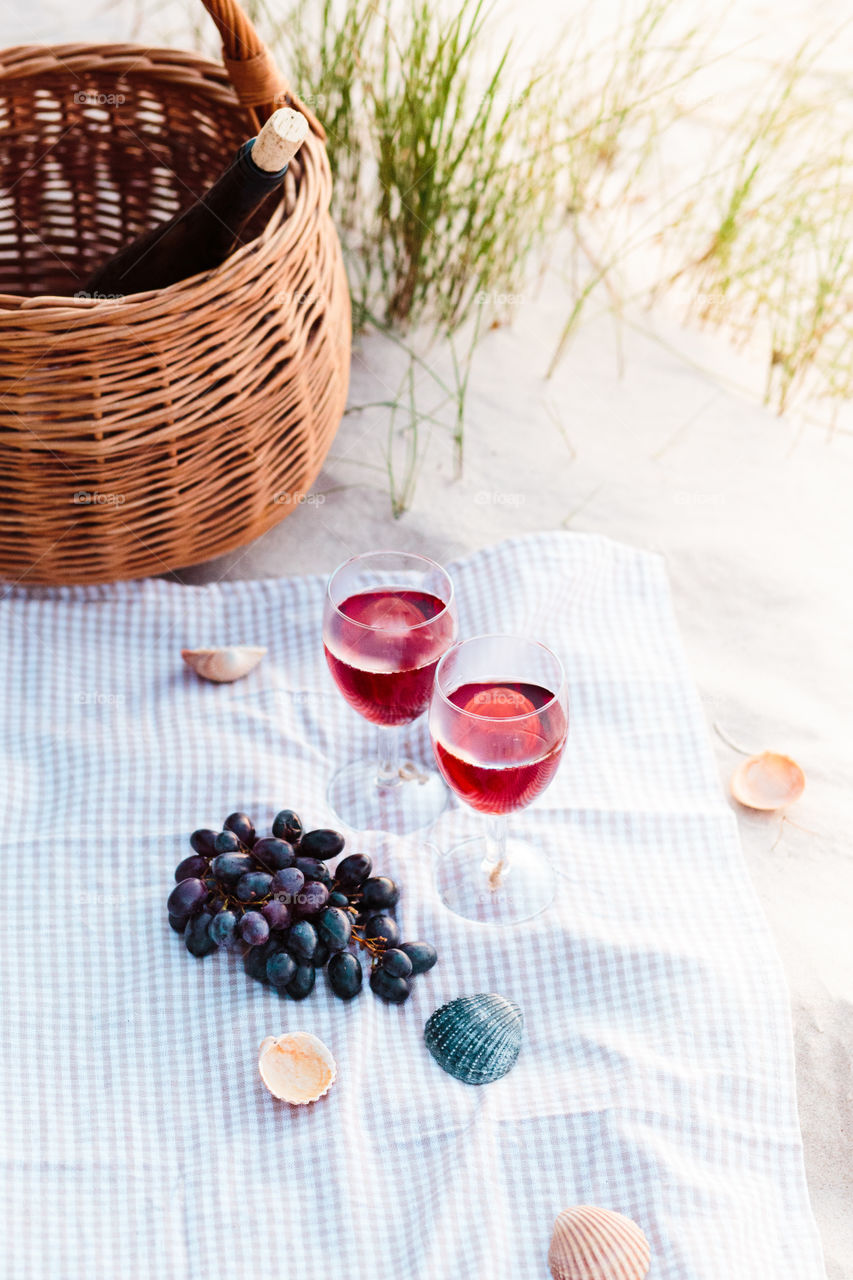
251 67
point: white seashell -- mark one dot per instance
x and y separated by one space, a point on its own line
768 781
597 1244
223 665
296 1067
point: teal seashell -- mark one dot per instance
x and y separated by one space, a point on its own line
477 1039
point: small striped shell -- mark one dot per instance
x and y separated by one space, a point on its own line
223 665
475 1038
597 1244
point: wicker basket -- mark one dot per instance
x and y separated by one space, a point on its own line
138 435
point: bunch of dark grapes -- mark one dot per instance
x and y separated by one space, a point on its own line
274 900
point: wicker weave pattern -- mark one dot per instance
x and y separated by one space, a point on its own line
141 434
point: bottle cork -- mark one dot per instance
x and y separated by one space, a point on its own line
279 139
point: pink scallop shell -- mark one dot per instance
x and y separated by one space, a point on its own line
597 1244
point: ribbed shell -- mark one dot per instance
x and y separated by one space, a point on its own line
597 1244
475 1038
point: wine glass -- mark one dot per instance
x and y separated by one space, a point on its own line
498 720
388 618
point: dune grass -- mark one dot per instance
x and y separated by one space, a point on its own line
442 153
458 173
772 257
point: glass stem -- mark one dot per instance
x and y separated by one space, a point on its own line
496 864
388 756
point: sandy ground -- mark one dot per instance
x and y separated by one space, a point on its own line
755 517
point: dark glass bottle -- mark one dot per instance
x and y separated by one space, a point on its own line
201 237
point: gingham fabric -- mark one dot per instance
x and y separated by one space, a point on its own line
656 1074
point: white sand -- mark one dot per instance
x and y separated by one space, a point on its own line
755 517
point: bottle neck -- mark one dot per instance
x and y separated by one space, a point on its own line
241 188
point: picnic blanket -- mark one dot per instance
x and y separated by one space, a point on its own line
656 1073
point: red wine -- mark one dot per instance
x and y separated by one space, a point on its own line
201 237
505 749
384 650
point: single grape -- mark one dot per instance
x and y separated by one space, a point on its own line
228 868
314 869
178 923
242 826
253 886
335 928
345 974
382 929
187 897
423 955
351 872
255 960
204 841
301 940
223 930
281 969
302 983
312 899
227 842
254 929
338 899
321 843
288 883
379 893
287 826
396 962
273 854
196 937
277 914
321 954
394 990
194 867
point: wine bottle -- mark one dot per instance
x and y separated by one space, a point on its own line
201 237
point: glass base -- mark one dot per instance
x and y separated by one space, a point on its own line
473 887
414 800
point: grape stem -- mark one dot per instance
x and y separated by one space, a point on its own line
375 948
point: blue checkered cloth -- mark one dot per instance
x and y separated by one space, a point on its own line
656 1075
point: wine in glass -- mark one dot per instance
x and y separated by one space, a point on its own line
388 618
498 720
